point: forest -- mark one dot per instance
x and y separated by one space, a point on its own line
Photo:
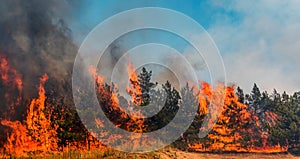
38 114
257 122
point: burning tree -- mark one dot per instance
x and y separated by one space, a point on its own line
12 89
248 123
238 128
37 134
233 122
39 126
287 115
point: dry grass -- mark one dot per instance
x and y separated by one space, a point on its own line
194 155
166 153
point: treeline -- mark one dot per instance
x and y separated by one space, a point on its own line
248 122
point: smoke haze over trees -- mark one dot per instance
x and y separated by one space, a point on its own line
35 40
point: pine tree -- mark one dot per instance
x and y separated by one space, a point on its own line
189 98
240 95
171 105
287 129
255 97
230 132
144 79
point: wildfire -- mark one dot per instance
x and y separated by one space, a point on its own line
18 142
271 118
38 123
134 123
223 137
9 75
12 81
36 134
136 95
98 79
205 95
135 89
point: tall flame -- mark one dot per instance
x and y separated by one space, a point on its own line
135 89
12 81
38 124
37 134
136 123
224 137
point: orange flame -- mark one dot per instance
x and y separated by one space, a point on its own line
18 142
135 91
38 124
99 79
135 124
13 81
9 75
204 97
38 134
271 118
226 138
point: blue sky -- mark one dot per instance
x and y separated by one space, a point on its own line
259 42
92 12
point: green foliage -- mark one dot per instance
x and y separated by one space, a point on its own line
287 130
69 126
278 115
240 95
144 79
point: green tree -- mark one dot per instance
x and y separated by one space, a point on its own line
191 135
254 99
240 95
170 106
144 79
287 130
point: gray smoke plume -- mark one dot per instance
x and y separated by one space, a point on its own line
160 74
35 40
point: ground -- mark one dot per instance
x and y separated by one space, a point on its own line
194 155
167 153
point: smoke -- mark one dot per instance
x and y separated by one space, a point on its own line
35 40
193 60
109 59
189 57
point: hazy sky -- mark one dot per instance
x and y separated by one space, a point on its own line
259 41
